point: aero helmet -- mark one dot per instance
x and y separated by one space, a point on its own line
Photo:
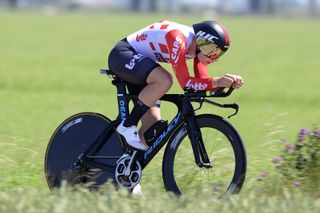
212 38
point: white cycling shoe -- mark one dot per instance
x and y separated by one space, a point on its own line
132 136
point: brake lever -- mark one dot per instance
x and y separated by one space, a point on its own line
233 106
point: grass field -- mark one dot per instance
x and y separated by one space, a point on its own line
49 71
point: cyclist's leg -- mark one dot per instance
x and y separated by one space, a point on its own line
148 119
137 69
159 82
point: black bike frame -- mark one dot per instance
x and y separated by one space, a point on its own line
185 116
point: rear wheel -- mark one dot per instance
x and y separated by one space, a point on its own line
226 153
72 138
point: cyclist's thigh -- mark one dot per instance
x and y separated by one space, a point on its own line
130 65
160 75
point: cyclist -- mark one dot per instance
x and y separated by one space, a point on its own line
134 59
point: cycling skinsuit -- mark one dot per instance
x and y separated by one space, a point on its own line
134 57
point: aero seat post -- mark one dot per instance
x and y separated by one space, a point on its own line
121 95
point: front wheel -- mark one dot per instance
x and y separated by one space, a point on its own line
226 153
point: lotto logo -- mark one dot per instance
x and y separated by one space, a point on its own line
132 62
196 86
206 36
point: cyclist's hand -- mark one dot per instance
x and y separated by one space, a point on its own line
238 81
228 81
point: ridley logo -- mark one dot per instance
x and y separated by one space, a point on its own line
141 37
175 50
162 136
196 86
206 36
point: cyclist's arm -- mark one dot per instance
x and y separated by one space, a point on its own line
200 69
177 49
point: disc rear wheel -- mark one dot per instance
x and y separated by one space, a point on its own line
66 146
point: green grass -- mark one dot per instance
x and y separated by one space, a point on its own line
65 200
49 71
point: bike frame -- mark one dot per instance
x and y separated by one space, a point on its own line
184 116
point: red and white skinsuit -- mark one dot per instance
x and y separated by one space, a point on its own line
168 42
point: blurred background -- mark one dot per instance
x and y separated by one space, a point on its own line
52 50
238 7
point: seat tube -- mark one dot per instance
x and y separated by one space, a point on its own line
121 97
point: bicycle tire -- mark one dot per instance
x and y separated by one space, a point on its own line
181 181
73 137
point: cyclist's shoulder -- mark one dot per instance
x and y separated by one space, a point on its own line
166 25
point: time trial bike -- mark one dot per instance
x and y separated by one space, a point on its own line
202 151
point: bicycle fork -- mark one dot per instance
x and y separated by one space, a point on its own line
199 150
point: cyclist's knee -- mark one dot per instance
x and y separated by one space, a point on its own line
166 81
161 77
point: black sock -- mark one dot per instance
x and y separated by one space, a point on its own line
137 112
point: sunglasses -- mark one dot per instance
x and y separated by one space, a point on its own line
210 50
